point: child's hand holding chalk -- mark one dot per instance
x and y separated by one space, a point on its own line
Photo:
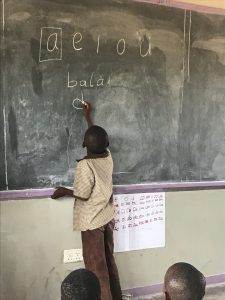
84 103
86 108
86 112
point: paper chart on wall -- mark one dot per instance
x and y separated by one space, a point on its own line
139 221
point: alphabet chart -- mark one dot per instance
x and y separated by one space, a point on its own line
139 221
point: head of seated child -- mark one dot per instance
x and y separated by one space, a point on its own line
184 282
81 284
96 140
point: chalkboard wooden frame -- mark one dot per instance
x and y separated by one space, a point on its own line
120 189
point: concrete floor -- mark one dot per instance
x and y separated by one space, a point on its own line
212 293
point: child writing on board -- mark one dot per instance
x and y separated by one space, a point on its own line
94 208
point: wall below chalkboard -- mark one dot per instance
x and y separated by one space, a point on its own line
45 228
154 75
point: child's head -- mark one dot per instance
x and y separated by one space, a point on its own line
96 140
81 284
183 282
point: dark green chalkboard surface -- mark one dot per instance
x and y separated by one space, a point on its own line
155 77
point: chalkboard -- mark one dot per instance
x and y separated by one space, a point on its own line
155 77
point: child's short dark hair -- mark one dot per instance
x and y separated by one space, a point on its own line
81 284
96 139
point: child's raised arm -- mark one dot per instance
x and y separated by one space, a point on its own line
62 191
86 113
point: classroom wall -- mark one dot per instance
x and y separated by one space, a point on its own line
35 233
207 3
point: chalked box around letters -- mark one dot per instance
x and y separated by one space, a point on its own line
155 77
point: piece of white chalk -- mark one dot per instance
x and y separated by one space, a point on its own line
84 103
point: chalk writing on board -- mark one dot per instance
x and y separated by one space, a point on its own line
137 215
77 37
77 103
97 49
143 51
121 46
50 44
94 80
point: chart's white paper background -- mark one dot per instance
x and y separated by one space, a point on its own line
139 221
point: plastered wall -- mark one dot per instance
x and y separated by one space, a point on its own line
34 234
208 3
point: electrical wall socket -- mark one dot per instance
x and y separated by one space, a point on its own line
72 255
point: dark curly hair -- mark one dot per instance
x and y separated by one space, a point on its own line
96 139
81 284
